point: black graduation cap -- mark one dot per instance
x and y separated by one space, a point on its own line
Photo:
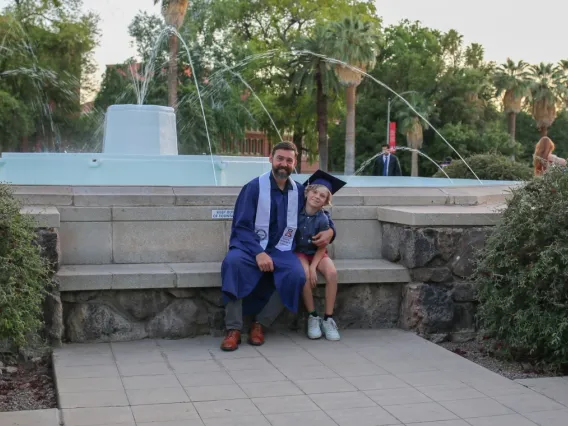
322 178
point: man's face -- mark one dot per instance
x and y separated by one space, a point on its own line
283 163
385 150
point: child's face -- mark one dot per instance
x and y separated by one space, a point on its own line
317 198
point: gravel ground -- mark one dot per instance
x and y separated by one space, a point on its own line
480 353
27 385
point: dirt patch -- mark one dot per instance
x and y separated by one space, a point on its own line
27 385
486 354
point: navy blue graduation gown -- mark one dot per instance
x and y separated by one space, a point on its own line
241 277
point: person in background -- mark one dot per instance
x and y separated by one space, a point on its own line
312 220
447 161
387 164
543 156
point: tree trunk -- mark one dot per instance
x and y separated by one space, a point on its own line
414 164
512 126
297 139
350 130
321 110
543 131
173 71
25 144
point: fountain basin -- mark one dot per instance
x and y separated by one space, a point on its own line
140 130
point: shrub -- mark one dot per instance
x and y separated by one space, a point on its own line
24 274
488 167
523 273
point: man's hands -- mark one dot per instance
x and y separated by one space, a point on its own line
264 262
323 238
313 277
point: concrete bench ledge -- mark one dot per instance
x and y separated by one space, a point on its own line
204 274
45 216
481 215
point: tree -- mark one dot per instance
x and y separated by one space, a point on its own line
512 79
546 94
174 13
46 64
313 70
411 126
355 43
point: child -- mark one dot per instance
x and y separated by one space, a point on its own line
311 221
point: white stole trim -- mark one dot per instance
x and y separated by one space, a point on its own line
262 220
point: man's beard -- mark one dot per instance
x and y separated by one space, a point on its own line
281 172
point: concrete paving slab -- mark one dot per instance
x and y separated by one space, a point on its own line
293 380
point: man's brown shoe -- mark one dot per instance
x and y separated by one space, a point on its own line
256 334
231 341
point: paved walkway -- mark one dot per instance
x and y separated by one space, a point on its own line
370 378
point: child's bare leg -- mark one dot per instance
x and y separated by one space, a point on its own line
327 268
307 291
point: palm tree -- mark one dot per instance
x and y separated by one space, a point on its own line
546 92
314 70
174 14
411 125
355 43
514 80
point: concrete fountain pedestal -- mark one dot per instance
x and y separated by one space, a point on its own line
140 130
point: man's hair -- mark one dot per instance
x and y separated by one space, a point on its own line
288 146
315 187
386 145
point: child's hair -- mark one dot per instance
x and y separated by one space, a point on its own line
315 187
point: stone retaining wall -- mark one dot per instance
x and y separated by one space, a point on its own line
440 301
120 315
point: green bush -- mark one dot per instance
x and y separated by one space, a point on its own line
523 273
24 274
488 167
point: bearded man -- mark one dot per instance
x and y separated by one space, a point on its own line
261 274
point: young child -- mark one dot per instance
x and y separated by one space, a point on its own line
312 220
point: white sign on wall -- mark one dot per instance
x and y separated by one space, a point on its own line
222 214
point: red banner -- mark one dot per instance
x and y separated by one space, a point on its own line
392 135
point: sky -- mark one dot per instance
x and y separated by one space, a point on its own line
505 28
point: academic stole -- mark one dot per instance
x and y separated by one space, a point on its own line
262 221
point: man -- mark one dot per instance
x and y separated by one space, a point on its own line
387 164
262 246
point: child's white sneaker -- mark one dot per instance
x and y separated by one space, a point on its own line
314 329
330 329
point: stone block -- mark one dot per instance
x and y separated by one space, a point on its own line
435 275
182 318
172 241
354 213
194 275
471 241
176 213
84 277
44 216
53 317
209 196
368 305
48 240
43 195
98 322
464 316
348 200
426 308
464 292
86 243
85 214
99 196
141 305
360 239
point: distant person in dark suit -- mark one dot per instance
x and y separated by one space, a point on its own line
387 164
